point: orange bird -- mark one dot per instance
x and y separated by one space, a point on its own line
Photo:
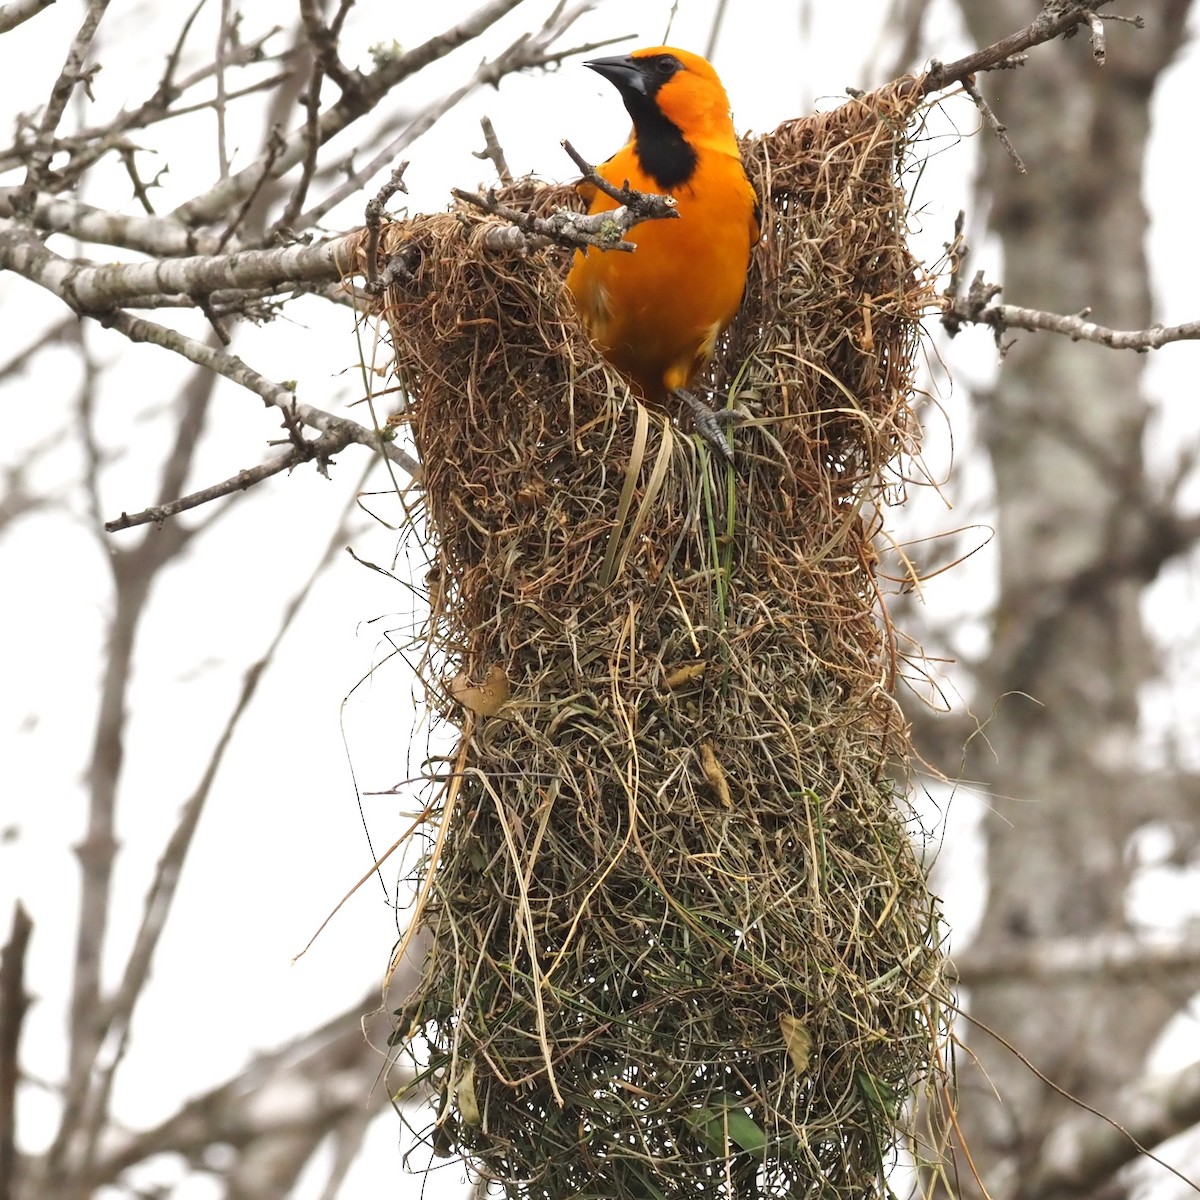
657 312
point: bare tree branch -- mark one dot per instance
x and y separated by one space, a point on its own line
60 331
365 94
605 230
98 288
94 289
225 35
1058 17
1078 328
904 21
325 53
240 482
94 457
26 254
18 11
322 449
234 369
72 74
13 1003
250 225
133 573
1083 1153
146 234
993 121
284 1103
492 151
1114 956
87 145
524 54
324 42
373 215
976 308
118 1013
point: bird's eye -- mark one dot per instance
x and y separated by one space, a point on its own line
668 64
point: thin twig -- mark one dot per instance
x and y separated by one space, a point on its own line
714 29
1096 21
324 42
161 894
85 153
325 63
956 255
233 368
372 89
493 151
13 1003
275 147
525 231
976 308
1050 23
1099 50
524 54
220 98
373 215
126 154
357 179
999 129
135 567
339 430
326 1073
339 18
156 108
167 91
323 448
93 453
1053 21
899 40
47 338
72 73
133 571
646 206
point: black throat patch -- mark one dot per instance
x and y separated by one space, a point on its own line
662 150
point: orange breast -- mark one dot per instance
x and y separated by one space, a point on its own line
657 313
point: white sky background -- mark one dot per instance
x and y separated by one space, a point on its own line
282 840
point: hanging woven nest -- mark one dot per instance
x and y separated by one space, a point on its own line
680 943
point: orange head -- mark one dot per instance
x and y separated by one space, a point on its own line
677 104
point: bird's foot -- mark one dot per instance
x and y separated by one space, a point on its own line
708 424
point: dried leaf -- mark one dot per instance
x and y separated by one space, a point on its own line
483 699
715 774
797 1040
468 1105
685 674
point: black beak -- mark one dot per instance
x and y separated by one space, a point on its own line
624 72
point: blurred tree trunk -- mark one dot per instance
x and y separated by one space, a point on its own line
1077 518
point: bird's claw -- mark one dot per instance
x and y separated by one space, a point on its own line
727 416
708 424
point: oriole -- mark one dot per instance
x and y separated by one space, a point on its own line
656 313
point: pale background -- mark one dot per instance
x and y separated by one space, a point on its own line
282 839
